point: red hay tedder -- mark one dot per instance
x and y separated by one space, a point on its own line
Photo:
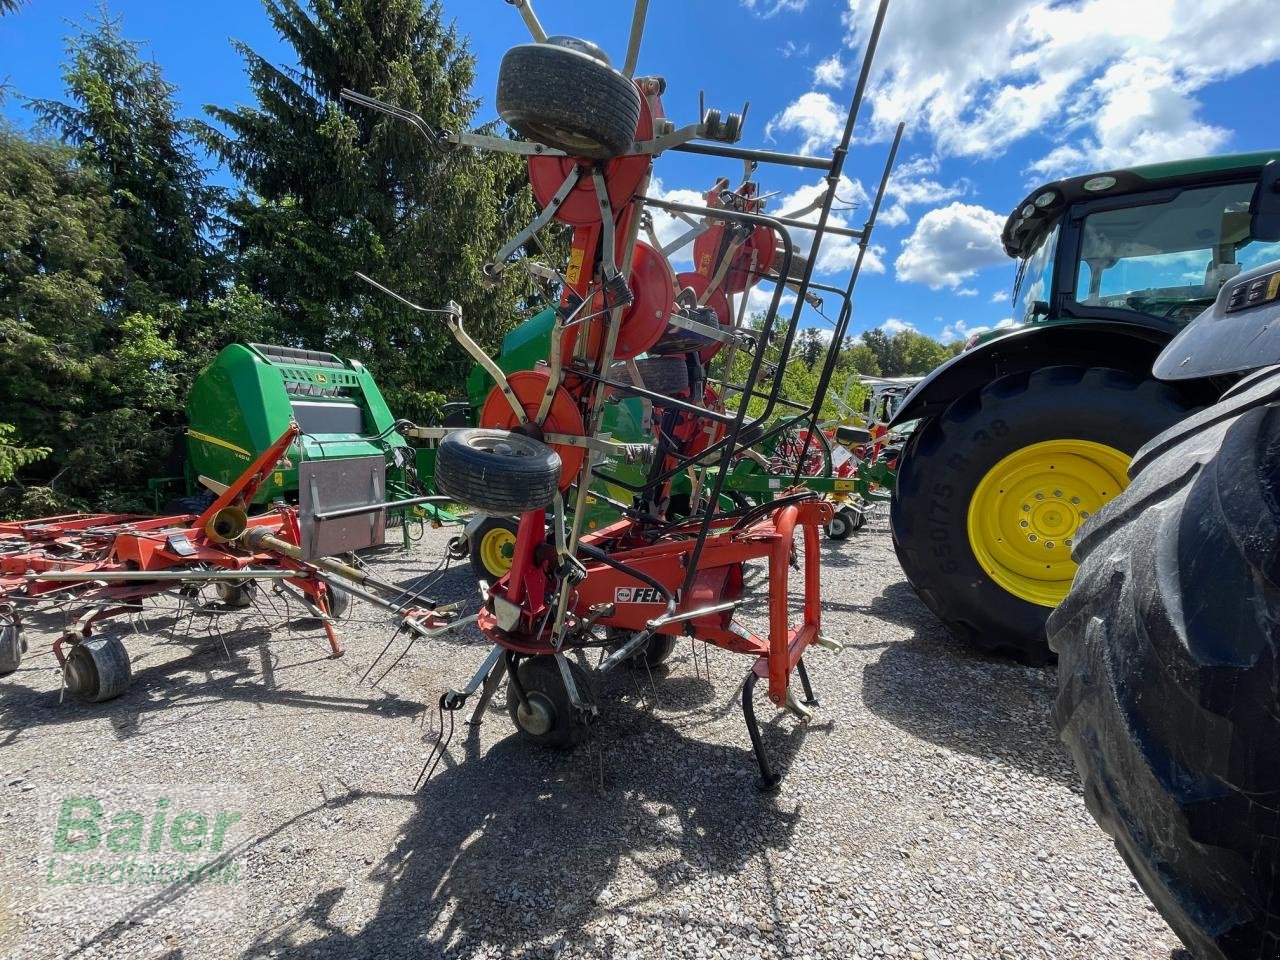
627 325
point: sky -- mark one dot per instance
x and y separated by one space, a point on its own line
998 97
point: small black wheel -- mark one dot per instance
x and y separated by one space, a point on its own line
193 505
12 646
236 593
497 471
566 98
97 669
655 652
492 547
665 375
550 721
840 527
339 602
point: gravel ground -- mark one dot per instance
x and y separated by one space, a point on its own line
928 811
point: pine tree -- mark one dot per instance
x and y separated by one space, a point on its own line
121 116
335 190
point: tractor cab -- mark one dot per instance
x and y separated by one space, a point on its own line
1151 246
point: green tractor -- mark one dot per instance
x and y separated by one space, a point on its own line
1024 436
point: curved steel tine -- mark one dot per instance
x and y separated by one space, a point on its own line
391 110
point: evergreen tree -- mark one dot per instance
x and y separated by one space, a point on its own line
335 190
121 115
10 6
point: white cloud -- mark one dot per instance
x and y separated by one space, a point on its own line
815 117
1000 296
764 9
911 185
966 292
1116 82
830 72
950 244
894 325
668 226
789 50
962 331
837 254
761 295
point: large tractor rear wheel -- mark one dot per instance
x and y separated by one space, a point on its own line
1170 661
990 494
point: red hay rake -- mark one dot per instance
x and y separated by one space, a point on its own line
629 326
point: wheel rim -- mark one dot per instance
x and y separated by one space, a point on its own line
1025 512
538 717
497 547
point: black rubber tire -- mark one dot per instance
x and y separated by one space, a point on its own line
339 602
948 455
195 504
497 471
840 527
1170 662
567 99
653 653
667 375
476 554
97 669
542 683
12 646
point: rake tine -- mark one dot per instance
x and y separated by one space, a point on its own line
413 638
378 658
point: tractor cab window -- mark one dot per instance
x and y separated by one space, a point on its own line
1169 259
1035 278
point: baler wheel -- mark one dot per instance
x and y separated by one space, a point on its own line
554 94
97 669
497 471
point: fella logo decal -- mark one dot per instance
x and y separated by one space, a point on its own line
638 595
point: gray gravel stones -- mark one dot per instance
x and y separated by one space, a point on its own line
928 812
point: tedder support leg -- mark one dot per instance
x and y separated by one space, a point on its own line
768 779
809 699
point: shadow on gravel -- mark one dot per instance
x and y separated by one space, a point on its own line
246 670
518 847
934 688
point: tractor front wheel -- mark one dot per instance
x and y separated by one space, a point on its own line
990 494
492 547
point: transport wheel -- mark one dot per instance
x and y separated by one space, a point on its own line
12 646
665 375
493 544
237 594
97 669
559 94
840 527
1169 666
990 494
550 720
497 471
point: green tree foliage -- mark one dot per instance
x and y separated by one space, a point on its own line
335 190
121 116
905 354
14 456
10 6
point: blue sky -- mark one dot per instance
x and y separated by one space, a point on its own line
998 95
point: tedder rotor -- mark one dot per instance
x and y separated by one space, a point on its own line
629 326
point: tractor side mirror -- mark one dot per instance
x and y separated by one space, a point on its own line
1264 208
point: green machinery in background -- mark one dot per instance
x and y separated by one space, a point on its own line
245 399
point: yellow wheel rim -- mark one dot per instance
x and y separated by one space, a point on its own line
1025 513
497 547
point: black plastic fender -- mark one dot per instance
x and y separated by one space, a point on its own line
1127 346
